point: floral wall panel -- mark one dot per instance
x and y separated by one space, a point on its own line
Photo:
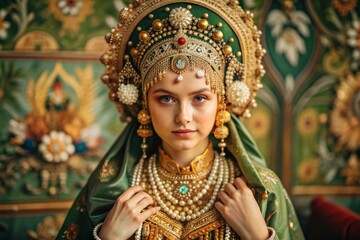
56 117
56 25
326 138
290 39
56 123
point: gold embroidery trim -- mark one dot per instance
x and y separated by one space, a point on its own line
172 229
199 164
204 224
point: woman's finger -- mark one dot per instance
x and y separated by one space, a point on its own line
144 203
128 194
220 207
224 197
230 189
138 197
240 183
147 213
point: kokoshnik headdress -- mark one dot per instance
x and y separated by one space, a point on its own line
217 36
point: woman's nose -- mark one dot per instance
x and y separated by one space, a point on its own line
184 114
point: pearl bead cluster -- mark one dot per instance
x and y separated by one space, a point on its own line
157 185
169 195
238 93
128 93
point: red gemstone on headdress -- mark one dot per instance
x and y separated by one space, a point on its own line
181 40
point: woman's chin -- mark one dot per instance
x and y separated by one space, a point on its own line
186 145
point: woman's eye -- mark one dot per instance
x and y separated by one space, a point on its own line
166 99
199 99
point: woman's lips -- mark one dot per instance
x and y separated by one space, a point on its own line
183 133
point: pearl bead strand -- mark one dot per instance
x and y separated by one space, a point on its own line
225 172
175 201
175 214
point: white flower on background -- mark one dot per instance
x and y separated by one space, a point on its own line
289 31
110 20
276 19
290 44
18 129
353 40
70 7
301 21
56 147
4 25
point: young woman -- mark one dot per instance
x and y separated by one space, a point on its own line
185 167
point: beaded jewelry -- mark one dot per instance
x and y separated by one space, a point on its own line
221 131
144 130
200 73
95 231
224 171
157 185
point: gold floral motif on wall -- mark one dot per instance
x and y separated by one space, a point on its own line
345 117
58 133
48 228
71 12
36 40
345 124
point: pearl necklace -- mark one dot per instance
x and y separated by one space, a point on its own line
157 184
226 174
183 189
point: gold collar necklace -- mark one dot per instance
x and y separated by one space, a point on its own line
199 164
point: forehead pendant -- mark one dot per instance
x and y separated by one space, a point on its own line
179 65
180 18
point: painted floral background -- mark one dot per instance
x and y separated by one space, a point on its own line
56 121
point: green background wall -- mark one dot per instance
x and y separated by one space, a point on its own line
307 122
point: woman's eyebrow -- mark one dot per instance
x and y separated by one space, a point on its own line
202 90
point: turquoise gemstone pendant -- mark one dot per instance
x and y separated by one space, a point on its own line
183 189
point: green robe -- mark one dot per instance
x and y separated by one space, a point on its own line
114 174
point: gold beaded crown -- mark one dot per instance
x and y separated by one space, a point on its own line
217 36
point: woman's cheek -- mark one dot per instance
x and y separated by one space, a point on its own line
207 117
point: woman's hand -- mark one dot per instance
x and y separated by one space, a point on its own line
127 214
241 211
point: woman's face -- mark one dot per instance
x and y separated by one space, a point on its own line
182 112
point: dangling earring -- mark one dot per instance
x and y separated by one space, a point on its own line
144 130
221 131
